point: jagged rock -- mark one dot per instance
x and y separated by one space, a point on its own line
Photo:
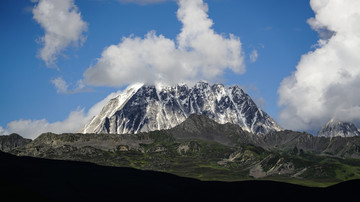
9 142
338 128
143 108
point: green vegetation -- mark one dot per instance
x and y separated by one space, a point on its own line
197 158
213 161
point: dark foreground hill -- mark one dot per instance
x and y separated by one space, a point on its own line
28 178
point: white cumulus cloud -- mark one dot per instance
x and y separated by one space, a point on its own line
3 131
33 128
326 83
63 26
197 53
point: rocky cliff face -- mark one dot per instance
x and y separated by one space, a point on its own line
338 128
9 142
143 108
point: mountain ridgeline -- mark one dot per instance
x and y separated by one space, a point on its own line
9 142
207 132
201 148
143 108
336 128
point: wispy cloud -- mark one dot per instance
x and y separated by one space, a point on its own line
197 53
143 2
63 26
60 84
327 80
62 87
253 56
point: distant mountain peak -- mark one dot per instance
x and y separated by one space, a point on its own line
336 127
146 108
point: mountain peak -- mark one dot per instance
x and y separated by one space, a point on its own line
336 127
334 121
155 107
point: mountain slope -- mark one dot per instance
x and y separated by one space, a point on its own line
196 127
36 179
201 127
97 123
338 128
148 108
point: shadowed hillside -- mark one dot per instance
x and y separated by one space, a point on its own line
53 180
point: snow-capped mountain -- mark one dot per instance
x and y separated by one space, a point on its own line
338 128
142 108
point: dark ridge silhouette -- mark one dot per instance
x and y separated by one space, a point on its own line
27 178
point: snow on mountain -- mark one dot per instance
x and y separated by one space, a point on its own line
143 108
338 128
115 104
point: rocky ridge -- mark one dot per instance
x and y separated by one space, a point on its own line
9 142
336 128
143 108
202 148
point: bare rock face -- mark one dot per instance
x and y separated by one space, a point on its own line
336 128
9 142
143 108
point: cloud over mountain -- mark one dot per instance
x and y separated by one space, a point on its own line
197 53
326 82
63 26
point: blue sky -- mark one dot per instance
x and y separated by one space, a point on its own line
276 30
